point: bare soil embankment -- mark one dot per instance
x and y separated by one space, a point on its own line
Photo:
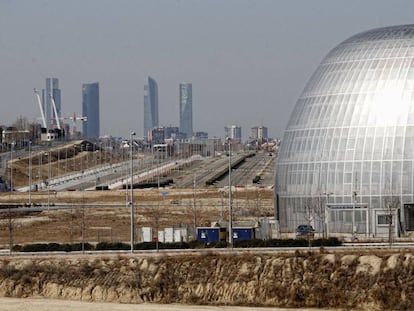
368 281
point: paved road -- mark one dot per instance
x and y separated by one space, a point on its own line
262 164
201 173
200 170
256 165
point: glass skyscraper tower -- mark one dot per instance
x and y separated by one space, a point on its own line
150 106
52 88
233 132
186 109
90 109
350 138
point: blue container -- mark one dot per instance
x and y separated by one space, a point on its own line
240 234
208 235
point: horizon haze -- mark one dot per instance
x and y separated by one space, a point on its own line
248 61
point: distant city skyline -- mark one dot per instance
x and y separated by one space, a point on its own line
248 59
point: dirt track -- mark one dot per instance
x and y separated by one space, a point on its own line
14 304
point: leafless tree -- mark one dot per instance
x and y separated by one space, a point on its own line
154 214
8 223
309 215
391 206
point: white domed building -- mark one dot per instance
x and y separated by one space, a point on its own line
346 161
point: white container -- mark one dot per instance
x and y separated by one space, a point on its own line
146 234
161 236
169 235
177 235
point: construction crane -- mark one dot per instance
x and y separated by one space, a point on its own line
55 111
74 118
40 107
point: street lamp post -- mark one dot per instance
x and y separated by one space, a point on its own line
132 192
74 158
58 162
11 167
194 205
81 159
30 173
354 229
325 216
66 160
40 171
222 206
230 206
87 149
48 179
157 154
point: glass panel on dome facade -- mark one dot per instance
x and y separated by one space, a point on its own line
352 129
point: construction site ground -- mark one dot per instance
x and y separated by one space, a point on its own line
105 215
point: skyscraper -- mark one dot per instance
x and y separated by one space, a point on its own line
186 109
259 133
52 88
233 132
90 109
150 106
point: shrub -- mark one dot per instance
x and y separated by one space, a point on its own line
175 245
196 244
287 243
17 248
221 244
37 247
145 246
249 243
55 247
112 246
333 241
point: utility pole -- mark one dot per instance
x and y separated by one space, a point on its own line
230 203
132 192
194 205
354 229
11 167
324 215
222 206
10 225
83 224
30 174
48 180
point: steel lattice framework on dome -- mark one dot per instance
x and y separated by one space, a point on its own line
350 139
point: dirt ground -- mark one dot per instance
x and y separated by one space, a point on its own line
105 216
14 304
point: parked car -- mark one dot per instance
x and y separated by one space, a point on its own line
305 231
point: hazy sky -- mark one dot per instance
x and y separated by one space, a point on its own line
248 61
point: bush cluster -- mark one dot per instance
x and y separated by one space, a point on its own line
287 243
55 247
102 246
